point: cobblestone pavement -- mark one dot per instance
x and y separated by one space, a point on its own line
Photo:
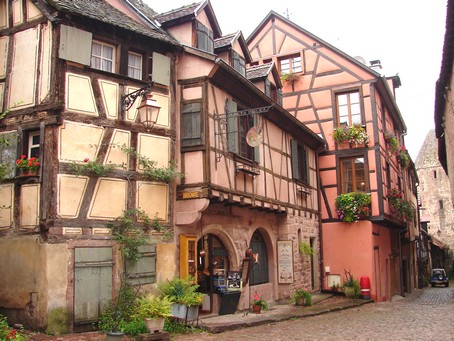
424 315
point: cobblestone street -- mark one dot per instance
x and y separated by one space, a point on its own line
425 315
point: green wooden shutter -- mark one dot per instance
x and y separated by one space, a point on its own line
294 158
279 96
232 126
267 87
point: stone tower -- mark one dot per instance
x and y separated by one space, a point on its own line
435 194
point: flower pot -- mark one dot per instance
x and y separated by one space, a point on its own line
299 301
155 325
114 336
256 309
27 172
179 310
192 312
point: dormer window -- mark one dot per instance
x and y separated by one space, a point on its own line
238 63
204 38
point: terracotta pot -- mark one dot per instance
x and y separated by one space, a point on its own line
27 172
256 308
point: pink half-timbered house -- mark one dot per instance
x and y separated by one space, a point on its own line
365 168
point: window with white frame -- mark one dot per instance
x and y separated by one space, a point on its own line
348 108
33 144
134 65
102 56
290 64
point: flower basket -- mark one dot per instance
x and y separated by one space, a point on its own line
27 167
354 135
353 206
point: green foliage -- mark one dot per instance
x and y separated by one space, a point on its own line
91 168
5 170
353 206
58 321
134 326
400 207
151 171
403 157
182 291
302 293
8 333
120 310
355 134
286 77
151 306
177 327
129 234
305 248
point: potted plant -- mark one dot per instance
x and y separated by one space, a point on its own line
92 168
118 311
302 297
403 158
183 293
26 166
154 310
351 286
258 303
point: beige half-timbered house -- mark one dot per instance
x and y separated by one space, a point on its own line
354 109
66 68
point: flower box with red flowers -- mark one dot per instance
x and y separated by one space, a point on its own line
28 166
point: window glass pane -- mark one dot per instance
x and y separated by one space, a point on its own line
356 110
354 97
284 65
107 52
342 99
134 65
296 64
356 119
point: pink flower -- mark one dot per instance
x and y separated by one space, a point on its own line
86 159
256 297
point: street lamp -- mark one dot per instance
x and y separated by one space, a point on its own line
148 108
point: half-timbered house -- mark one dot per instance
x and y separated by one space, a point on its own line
249 197
71 77
367 180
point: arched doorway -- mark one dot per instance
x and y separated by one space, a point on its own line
212 266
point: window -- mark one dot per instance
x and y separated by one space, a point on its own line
435 174
348 108
204 38
259 273
191 131
237 128
33 144
134 65
388 175
102 56
300 167
290 64
353 175
239 63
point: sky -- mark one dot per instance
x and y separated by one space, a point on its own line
405 35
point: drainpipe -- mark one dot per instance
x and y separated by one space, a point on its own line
320 233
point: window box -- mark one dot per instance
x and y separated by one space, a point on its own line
356 134
353 206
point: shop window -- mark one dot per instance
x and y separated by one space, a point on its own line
102 56
259 272
237 128
290 64
239 63
353 175
134 65
348 108
204 38
142 271
191 124
300 166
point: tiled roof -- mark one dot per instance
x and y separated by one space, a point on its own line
225 40
177 13
102 11
143 7
259 71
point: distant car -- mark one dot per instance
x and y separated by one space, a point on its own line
438 277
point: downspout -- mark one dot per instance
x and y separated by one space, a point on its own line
320 233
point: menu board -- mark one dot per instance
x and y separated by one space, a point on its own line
285 261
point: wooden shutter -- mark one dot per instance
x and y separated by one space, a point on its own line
279 96
8 152
267 87
232 126
294 158
191 134
142 271
75 45
161 69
